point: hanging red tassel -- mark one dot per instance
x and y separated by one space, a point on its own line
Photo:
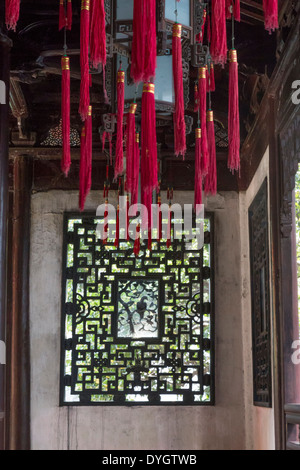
130 147
12 13
169 229
212 83
84 59
135 170
149 170
69 15
137 242
200 36
65 112
105 224
271 14
119 164
202 109
143 54
179 122
233 114
218 47
233 7
62 20
198 172
211 177
117 239
85 171
98 35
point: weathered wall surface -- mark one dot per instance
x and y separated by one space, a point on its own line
259 421
222 426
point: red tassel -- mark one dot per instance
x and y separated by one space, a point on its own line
212 83
219 35
117 239
119 164
169 230
200 36
84 59
65 111
202 108
105 226
137 242
143 54
149 170
233 114
98 35
135 170
130 147
233 7
85 171
62 20
198 172
12 13
179 122
69 15
211 177
271 14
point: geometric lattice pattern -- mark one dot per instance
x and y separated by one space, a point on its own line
135 330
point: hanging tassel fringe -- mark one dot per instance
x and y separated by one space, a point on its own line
233 114
130 147
218 48
143 54
85 171
65 112
12 13
84 59
119 163
137 242
98 35
233 7
211 178
271 15
198 172
202 109
179 122
149 170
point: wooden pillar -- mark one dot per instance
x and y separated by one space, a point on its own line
18 338
5 46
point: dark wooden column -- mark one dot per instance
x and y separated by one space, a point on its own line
18 337
5 46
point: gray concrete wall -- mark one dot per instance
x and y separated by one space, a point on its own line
222 426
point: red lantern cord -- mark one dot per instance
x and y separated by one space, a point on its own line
196 103
143 54
200 36
137 242
233 7
211 78
98 35
198 172
117 239
202 112
149 170
179 122
159 216
119 163
211 178
218 34
84 59
105 226
169 229
135 170
130 148
271 14
233 114
65 111
85 171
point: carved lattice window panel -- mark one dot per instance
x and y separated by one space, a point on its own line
260 290
135 330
